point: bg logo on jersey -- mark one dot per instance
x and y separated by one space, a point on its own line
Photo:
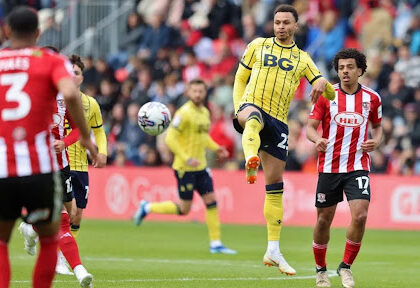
283 63
349 119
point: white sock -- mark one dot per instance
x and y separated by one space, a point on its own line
215 243
79 270
29 230
147 208
273 247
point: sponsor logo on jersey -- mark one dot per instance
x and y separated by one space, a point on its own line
349 119
272 61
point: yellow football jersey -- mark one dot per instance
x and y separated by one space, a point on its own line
188 137
77 153
274 72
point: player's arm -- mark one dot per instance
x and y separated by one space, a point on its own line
317 114
221 151
243 73
320 85
96 124
71 138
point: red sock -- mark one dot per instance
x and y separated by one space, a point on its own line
67 244
4 265
320 250
351 251
45 264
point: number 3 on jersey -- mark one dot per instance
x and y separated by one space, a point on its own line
16 82
283 144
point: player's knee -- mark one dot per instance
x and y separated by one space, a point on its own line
211 205
324 222
360 218
255 115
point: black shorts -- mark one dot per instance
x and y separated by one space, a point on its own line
274 136
329 191
41 196
190 181
80 186
66 181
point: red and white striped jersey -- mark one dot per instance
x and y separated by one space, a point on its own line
28 90
345 122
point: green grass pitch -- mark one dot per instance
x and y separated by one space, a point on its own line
157 254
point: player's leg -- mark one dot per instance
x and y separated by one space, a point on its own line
251 120
185 182
273 210
80 186
329 192
42 199
320 243
6 227
357 190
70 250
204 185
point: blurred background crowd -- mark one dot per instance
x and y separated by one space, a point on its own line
165 44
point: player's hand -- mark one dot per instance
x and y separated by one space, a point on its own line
100 161
222 153
321 144
88 144
59 146
317 89
369 145
193 162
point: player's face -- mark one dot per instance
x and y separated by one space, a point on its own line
78 76
348 71
285 26
197 93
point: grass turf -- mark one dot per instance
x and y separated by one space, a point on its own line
157 254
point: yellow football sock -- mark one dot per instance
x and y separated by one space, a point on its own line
250 137
213 222
273 210
166 207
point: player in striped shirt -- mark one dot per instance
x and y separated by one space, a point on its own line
265 83
30 78
344 162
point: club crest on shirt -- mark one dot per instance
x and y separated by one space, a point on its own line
366 105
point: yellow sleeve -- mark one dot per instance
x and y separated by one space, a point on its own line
311 72
174 133
95 123
243 73
329 92
212 145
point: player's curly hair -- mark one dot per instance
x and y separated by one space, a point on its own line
349 53
76 60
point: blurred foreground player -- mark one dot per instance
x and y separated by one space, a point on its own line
30 78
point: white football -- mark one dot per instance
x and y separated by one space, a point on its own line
154 118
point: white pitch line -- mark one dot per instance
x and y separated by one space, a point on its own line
331 273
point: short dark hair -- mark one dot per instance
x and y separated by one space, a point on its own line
351 53
287 8
23 21
197 81
76 60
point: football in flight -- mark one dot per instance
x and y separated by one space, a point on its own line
154 118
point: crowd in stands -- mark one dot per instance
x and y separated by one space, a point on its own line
168 43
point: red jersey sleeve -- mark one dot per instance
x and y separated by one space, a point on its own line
318 110
61 68
74 135
376 111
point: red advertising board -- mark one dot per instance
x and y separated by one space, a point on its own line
115 193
